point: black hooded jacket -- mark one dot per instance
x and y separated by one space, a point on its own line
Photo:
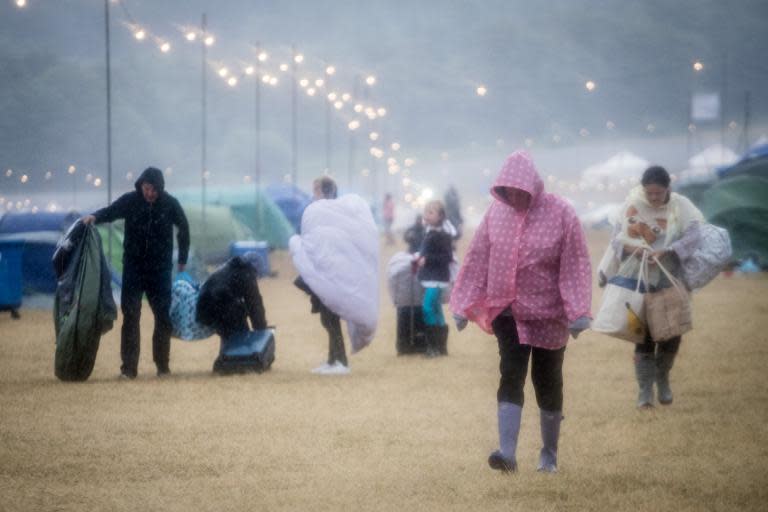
229 295
148 241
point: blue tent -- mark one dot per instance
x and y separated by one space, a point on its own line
40 232
291 200
753 163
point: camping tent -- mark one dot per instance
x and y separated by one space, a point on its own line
701 167
753 163
255 211
40 232
601 217
622 166
740 205
291 200
210 239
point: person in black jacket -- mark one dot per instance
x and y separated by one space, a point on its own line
150 214
229 297
414 235
434 260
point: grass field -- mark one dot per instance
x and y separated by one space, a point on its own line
398 433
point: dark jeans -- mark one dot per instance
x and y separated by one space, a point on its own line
157 286
330 321
546 368
332 324
670 346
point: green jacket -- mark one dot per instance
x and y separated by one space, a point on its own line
83 308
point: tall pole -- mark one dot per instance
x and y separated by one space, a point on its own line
351 162
204 110
745 132
109 122
723 102
257 114
294 121
328 108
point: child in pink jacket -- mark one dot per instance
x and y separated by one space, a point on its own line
527 279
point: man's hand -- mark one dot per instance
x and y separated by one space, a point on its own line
461 322
88 219
580 324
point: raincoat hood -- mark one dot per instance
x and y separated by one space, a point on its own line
518 172
154 177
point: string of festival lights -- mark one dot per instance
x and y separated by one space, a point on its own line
357 114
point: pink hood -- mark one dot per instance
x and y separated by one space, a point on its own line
534 262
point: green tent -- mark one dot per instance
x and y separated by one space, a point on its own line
210 239
740 205
254 210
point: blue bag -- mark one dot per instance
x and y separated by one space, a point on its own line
184 294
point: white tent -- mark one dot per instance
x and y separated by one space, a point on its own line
602 216
714 156
622 166
701 166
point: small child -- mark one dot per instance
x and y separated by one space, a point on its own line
434 259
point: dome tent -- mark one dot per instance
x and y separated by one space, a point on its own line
740 205
255 211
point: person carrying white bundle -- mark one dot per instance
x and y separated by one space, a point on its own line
337 256
657 230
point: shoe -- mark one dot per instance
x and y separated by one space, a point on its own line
509 416
337 368
163 372
322 368
645 371
497 461
664 362
126 376
550 435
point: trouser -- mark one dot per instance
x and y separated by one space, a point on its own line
546 368
648 346
432 307
157 286
233 318
332 324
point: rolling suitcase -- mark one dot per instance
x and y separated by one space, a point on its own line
411 336
247 351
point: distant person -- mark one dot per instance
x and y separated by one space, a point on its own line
414 235
388 216
526 279
229 297
434 260
150 214
666 226
453 210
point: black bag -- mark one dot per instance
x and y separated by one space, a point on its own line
247 351
411 336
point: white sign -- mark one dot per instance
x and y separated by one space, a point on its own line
705 106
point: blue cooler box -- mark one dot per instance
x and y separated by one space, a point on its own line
10 273
256 251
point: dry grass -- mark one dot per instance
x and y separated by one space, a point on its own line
397 434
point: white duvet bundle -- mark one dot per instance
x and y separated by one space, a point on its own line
337 255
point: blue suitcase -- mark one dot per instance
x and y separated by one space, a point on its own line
247 351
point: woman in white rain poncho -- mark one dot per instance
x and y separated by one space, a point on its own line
337 256
667 226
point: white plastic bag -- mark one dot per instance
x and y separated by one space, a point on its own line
709 258
622 311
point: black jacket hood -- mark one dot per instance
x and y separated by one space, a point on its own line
154 177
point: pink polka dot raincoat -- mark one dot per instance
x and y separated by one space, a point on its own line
534 262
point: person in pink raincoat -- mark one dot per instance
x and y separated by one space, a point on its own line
526 278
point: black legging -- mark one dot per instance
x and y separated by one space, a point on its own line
157 285
546 368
